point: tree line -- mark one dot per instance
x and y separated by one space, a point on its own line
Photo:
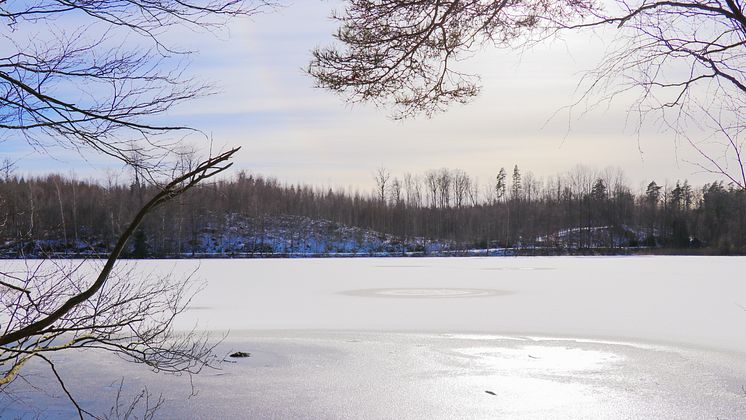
581 208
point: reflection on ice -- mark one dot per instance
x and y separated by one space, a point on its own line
330 375
538 359
537 379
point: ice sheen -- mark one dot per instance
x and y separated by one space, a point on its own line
565 337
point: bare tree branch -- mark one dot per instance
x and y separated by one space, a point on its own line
86 88
683 59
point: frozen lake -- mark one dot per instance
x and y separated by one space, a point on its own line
500 337
695 301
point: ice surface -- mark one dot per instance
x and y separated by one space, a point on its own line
686 300
354 375
555 337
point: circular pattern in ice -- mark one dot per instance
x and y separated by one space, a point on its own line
426 293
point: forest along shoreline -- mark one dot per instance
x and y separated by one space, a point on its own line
438 213
499 252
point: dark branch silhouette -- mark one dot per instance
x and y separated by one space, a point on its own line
57 309
99 87
97 77
683 59
403 53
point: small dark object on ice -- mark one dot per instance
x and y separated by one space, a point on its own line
490 392
533 357
240 354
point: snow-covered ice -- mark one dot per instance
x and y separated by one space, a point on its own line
534 337
694 301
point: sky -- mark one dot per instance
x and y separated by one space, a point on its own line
291 130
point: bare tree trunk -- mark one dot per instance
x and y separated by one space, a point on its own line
62 212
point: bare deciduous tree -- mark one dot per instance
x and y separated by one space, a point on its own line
683 59
382 177
54 307
94 76
461 187
68 78
401 53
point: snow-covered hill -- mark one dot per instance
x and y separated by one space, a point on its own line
240 236
302 236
